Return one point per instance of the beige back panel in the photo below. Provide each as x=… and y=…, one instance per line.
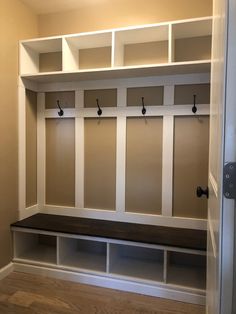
x=106, y=97
x=144, y=165
x=49, y=62
x=153, y=96
x=67, y=99
x=95, y=58
x=31, y=148
x=146, y=53
x=100, y=163
x=189, y=49
x=191, y=143
x=184, y=94
x=60, y=162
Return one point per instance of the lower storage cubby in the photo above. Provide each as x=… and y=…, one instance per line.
x=137, y=262
x=83, y=254
x=36, y=247
x=187, y=270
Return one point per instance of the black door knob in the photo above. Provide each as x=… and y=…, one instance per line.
x=201, y=192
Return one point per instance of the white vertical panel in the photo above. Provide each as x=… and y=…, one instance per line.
x=79, y=162
x=41, y=150
x=169, y=95
x=167, y=165
x=121, y=97
x=22, y=146
x=167, y=153
x=120, y=164
x=171, y=47
x=79, y=151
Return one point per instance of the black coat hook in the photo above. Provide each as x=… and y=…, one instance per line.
x=143, y=109
x=61, y=112
x=99, y=112
x=194, y=108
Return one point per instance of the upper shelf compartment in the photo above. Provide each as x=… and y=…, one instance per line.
x=141, y=46
x=179, y=47
x=87, y=51
x=191, y=41
x=41, y=55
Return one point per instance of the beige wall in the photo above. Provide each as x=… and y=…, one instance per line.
x=16, y=22
x=121, y=13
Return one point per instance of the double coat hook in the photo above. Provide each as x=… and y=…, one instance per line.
x=60, y=112
x=194, y=108
x=143, y=109
x=99, y=112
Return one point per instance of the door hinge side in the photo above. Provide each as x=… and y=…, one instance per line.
x=229, y=180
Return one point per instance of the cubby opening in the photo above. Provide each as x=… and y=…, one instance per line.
x=105, y=97
x=152, y=96
x=184, y=94
x=66, y=99
x=137, y=262
x=144, y=165
x=36, y=247
x=83, y=254
x=41, y=56
x=192, y=41
x=148, y=45
x=88, y=51
x=187, y=270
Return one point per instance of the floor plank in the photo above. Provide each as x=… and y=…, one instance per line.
x=31, y=294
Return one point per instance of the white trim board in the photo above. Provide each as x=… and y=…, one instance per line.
x=6, y=270
x=186, y=295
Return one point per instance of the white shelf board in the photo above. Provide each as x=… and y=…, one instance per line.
x=174, y=68
x=130, y=267
x=40, y=253
x=85, y=260
x=44, y=45
x=188, y=276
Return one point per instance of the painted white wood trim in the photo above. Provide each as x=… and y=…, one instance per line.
x=79, y=162
x=167, y=165
x=181, y=79
x=205, y=18
x=21, y=147
x=182, y=294
x=169, y=95
x=121, y=97
x=134, y=111
x=108, y=241
x=170, y=45
x=120, y=164
x=41, y=150
x=213, y=183
x=29, y=211
x=178, y=222
x=6, y=270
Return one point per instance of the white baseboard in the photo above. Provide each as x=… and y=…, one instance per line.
x=6, y=270
x=113, y=283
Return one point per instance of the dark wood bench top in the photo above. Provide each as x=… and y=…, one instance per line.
x=179, y=237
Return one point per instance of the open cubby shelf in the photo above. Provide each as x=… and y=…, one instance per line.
x=135, y=261
x=157, y=49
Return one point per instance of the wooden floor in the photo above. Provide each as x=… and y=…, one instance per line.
x=29, y=294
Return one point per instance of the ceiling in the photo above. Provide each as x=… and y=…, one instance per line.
x=51, y=6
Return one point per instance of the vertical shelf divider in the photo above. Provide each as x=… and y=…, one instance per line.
x=171, y=46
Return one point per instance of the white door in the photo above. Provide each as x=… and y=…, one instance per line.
x=221, y=224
